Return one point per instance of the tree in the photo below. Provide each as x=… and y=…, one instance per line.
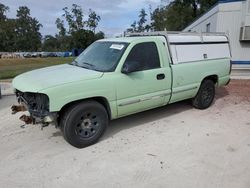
x=147, y=27
x=50, y=43
x=159, y=19
x=3, y=10
x=139, y=26
x=7, y=35
x=82, y=39
x=142, y=20
x=133, y=28
x=28, y=37
x=77, y=36
x=205, y=5
x=7, y=30
x=178, y=15
x=99, y=35
x=60, y=27
x=3, y=27
x=93, y=20
x=174, y=16
x=74, y=18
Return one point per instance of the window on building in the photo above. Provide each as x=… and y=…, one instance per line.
x=208, y=27
x=146, y=54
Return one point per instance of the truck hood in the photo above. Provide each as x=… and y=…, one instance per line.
x=44, y=78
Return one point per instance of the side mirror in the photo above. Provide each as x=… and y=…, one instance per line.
x=130, y=66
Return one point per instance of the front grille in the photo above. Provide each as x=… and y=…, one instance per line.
x=36, y=103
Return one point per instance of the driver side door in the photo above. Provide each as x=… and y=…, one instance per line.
x=146, y=88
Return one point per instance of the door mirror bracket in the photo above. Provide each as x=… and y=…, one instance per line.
x=130, y=66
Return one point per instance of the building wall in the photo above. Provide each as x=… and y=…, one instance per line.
x=246, y=12
x=228, y=18
x=200, y=25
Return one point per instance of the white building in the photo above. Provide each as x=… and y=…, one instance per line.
x=233, y=18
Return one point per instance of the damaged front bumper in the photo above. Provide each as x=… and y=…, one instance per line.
x=37, y=104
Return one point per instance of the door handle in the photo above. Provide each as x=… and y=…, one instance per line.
x=160, y=76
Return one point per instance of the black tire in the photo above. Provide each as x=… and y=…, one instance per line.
x=205, y=95
x=83, y=124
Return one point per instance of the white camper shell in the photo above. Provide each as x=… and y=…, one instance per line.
x=189, y=47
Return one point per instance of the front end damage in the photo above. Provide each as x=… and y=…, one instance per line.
x=37, y=104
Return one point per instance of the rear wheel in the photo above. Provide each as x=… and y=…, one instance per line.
x=205, y=95
x=83, y=124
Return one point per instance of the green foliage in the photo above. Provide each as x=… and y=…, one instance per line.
x=142, y=20
x=7, y=35
x=173, y=17
x=179, y=13
x=23, y=32
x=82, y=38
x=20, y=34
x=99, y=35
x=139, y=26
x=133, y=28
x=50, y=43
x=74, y=18
x=3, y=10
x=93, y=20
x=178, y=16
x=159, y=19
x=27, y=31
x=206, y=5
x=80, y=33
x=7, y=30
x=60, y=27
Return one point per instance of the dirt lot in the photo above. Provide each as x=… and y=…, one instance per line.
x=175, y=146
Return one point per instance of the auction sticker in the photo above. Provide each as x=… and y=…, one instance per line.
x=117, y=46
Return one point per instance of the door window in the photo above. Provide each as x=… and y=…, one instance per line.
x=146, y=54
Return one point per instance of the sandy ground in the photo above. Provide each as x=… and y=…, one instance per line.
x=175, y=146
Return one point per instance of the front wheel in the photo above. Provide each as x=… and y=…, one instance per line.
x=205, y=95
x=83, y=124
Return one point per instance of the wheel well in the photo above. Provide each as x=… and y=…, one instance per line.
x=103, y=101
x=214, y=78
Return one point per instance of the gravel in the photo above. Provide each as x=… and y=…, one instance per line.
x=174, y=146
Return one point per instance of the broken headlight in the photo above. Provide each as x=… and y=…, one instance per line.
x=36, y=103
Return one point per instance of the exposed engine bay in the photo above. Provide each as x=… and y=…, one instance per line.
x=37, y=104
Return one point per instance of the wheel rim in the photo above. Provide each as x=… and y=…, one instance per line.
x=207, y=95
x=88, y=125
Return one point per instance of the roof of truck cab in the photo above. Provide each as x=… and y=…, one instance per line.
x=130, y=39
x=175, y=38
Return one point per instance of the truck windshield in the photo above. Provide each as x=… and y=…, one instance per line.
x=101, y=56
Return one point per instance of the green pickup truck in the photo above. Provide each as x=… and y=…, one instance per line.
x=117, y=77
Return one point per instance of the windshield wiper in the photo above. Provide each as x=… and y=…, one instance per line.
x=83, y=65
x=88, y=64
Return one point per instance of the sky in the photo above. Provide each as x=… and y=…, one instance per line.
x=116, y=15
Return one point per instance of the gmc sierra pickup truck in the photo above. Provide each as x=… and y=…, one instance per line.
x=117, y=77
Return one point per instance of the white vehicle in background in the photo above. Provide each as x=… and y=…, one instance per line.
x=35, y=54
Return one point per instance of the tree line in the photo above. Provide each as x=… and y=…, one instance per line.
x=74, y=31
x=23, y=32
x=175, y=16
